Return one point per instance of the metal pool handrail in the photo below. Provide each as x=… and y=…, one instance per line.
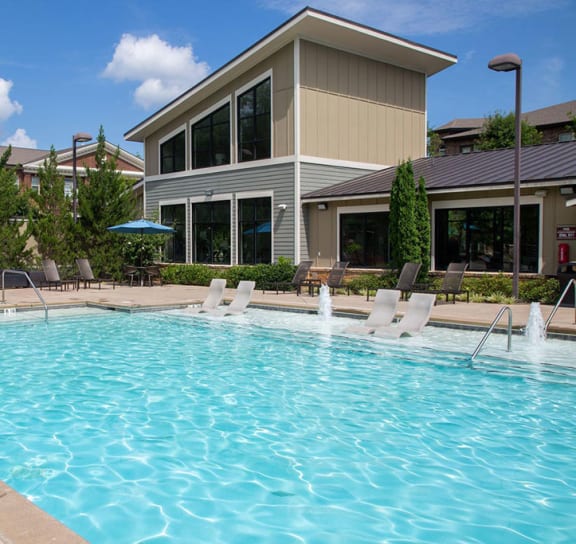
x=571, y=283
x=23, y=273
x=489, y=331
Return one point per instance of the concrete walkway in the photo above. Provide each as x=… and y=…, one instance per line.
x=182, y=295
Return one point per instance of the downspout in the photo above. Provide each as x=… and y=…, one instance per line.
x=297, y=191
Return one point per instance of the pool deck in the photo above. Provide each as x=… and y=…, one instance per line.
x=128, y=298
x=23, y=523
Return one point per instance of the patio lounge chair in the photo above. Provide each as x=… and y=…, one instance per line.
x=86, y=275
x=407, y=278
x=415, y=319
x=451, y=284
x=336, y=276
x=52, y=276
x=213, y=299
x=382, y=314
x=240, y=302
x=299, y=279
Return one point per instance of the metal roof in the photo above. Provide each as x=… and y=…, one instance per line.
x=540, y=163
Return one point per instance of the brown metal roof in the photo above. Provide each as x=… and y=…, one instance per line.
x=22, y=155
x=540, y=163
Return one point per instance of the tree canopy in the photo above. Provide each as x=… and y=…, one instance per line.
x=499, y=132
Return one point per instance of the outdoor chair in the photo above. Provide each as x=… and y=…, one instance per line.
x=414, y=320
x=299, y=279
x=451, y=283
x=52, y=276
x=241, y=300
x=382, y=313
x=86, y=275
x=151, y=274
x=213, y=299
x=336, y=275
x=407, y=278
x=130, y=274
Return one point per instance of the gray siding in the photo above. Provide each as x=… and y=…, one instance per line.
x=275, y=179
x=318, y=176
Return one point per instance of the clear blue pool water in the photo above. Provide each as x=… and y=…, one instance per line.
x=160, y=428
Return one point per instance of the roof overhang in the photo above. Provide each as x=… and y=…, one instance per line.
x=312, y=25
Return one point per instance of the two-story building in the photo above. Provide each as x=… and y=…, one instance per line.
x=317, y=101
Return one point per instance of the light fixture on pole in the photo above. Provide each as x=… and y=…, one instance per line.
x=508, y=63
x=78, y=137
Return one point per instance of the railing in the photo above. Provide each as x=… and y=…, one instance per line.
x=23, y=273
x=571, y=283
x=489, y=331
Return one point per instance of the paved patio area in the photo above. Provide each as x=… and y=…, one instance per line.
x=182, y=295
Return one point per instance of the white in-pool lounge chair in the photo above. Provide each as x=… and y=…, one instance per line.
x=382, y=313
x=240, y=302
x=213, y=299
x=415, y=319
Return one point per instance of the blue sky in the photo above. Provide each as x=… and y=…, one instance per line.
x=68, y=67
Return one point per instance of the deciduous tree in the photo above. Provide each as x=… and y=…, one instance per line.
x=499, y=132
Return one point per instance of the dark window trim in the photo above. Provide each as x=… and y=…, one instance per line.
x=210, y=116
x=251, y=146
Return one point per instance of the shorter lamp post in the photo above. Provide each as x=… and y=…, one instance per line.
x=508, y=63
x=79, y=137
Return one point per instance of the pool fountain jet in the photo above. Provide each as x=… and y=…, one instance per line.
x=325, y=303
x=535, y=329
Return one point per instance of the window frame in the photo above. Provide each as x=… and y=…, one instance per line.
x=166, y=138
x=237, y=94
x=179, y=202
x=252, y=195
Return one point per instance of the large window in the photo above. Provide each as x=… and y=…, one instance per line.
x=364, y=239
x=211, y=231
x=254, y=130
x=211, y=139
x=173, y=154
x=254, y=226
x=174, y=215
x=484, y=238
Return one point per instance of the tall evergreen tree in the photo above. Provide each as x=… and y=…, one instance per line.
x=14, y=233
x=104, y=199
x=422, y=218
x=404, y=242
x=51, y=220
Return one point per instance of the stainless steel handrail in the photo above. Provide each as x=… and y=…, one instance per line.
x=24, y=273
x=489, y=331
x=571, y=283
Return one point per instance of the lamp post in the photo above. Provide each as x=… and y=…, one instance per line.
x=78, y=137
x=508, y=63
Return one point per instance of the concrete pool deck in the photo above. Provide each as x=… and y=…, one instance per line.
x=23, y=523
x=461, y=313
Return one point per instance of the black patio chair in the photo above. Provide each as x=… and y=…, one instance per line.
x=451, y=283
x=407, y=279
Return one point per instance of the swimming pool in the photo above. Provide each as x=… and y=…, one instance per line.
x=161, y=428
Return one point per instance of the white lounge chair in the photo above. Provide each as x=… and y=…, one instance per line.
x=240, y=302
x=213, y=299
x=415, y=319
x=382, y=313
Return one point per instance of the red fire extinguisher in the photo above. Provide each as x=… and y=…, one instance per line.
x=563, y=253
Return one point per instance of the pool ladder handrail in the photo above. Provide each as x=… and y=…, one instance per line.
x=571, y=283
x=24, y=273
x=491, y=328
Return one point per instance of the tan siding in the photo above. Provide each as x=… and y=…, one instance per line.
x=345, y=101
x=282, y=66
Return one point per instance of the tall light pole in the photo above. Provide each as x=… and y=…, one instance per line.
x=508, y=63
x=78, y=137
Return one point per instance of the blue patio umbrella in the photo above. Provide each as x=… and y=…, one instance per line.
x=141, y=226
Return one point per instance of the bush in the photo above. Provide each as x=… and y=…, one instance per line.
x=544, y=290
x=188, y=274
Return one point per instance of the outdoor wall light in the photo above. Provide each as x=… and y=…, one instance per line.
x=567, y=190
x=282, y=206
x=78, y=137
x=208, y=192
x=322, y=206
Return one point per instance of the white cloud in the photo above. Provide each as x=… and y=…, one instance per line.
x=164, y=71
x=421, y=17
x=21, y=139
x=8, y=107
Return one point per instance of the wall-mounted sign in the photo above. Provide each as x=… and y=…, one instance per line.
x=566, y=232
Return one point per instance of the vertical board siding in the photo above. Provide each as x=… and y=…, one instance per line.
x=359, y=109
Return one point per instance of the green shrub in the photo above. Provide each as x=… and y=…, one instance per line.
x=188, y=274
x=544, y=290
